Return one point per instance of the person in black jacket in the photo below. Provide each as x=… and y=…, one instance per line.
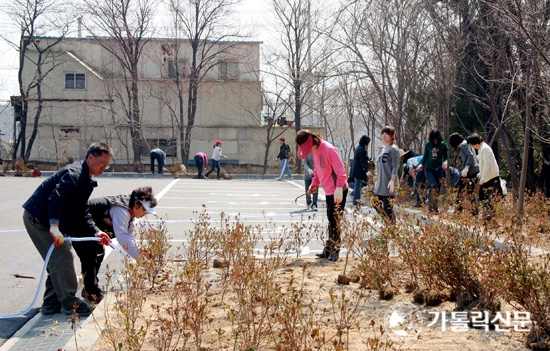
x=58, y=208
x=360, y=168
x=284, y=155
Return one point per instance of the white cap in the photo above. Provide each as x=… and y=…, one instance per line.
x=147, y=207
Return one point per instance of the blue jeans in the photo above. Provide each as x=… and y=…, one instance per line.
x=308, y=198
x=215, y=165
x=160, y=160
x=284, y=169
x=433, y=176
x=357, y=191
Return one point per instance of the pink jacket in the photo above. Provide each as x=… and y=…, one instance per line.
x=325, y=160
x=204, y=158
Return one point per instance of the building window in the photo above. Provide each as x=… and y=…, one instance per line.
x=229, y=71
x=182, y=68
x=75, y=81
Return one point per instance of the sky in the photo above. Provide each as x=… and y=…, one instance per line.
x=252, y=15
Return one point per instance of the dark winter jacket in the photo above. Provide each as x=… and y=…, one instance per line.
x=360, y=165
x=284, y=152
x=63, y=199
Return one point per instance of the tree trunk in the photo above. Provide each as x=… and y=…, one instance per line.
x=135, y=131
x=35, y=124
x=191, y=111
x=266, y=155
x=297, y=120
x=525, y=159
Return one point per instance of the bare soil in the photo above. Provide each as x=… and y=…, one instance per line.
x=324, y=273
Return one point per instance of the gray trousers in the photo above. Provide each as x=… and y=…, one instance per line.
x=61, y=283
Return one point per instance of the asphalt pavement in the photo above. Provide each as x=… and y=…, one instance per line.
x=256, y=201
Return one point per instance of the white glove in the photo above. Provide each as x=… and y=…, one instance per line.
x=338, y=195
x=465, y=172
x=58, y=238
x=369, y=174
x=391, y=186
x=445, y=164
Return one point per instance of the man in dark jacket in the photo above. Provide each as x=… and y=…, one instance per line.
x=360, y=168
x=58, y=207
x=284, y=155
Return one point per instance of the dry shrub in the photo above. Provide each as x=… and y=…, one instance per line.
x=125, y=327
x=154, y=250
x=176, y=170
x=369, y=241
x=21, y=168
x=525, y=285
x=452, y=256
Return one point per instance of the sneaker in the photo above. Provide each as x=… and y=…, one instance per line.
x=204, y=177
x=50, y=308
x=321, y=255
x=82, y=309
x=92, y=298
x=278, y=179
x=290, y=178
x=314, y=207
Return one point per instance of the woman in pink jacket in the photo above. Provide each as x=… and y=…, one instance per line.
x=331, y=175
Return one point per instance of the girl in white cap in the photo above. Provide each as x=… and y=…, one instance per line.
x=331, y=175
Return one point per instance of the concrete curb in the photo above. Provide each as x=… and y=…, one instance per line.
x=89, y=333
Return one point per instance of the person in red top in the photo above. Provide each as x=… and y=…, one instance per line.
x=330, y=173
x=201, y=160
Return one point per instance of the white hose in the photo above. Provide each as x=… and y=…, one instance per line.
x=43, y=275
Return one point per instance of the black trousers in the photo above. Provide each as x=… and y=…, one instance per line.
x=200, y=163
x=384, y=206
x=487, y=193
x=468, y=183
x=334, y=213
x=91, y=254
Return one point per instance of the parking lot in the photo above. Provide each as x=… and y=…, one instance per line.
x=256, y=201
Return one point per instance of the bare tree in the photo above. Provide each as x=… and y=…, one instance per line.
x=127, y=23
x=37, y=59
x=302, y=32
x=199, y=25
x=389, y=44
